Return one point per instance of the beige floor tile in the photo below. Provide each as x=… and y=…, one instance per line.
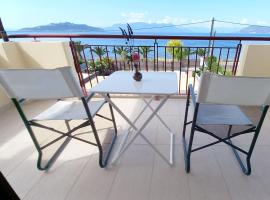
x=261, y=165
x=169, y=182
x=206, y=180
x=242, y=186
x=134, y=175
x=23, y=182
x=94, y=182
x=150, y=131
x=140, y=173
x=163, y=135
x=57, y=182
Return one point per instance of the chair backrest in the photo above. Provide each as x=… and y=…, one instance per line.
x=40, y=83
x=35, y=54
x=236, y=90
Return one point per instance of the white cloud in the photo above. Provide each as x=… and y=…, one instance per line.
x=262, y=23
x=243, y=21
x=134, y=17
x=184, y=22
x=171, y=20
x=131, y=17
x=144, y=17
x=231, y=25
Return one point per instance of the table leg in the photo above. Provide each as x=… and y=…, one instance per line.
x=166, y=126
x=160, y=119
x=126, y=135
x=142, y=111
x=139, y=130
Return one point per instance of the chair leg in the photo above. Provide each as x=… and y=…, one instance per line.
x=188, y=149
x=103, y=163
x=246, y=168
x=55, y=155
x=113, y=118
x=186, y=116
x=103, y=159
x=107, y=156
x=49, y=163
x=184, y=132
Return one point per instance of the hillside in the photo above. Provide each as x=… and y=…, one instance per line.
x=66, y=26
x=157, y=28
x=255, y=30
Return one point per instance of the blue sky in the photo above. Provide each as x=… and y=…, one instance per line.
x=19, y=13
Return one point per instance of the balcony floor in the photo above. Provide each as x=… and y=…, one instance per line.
x=140, y=173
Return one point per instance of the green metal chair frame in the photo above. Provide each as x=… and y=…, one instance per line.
x=187, y=145
x=89, y=121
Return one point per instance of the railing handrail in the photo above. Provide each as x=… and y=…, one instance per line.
x=155, y=37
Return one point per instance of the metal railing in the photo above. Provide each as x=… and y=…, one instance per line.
x=94, y=60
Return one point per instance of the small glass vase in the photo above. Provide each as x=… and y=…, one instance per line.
x=137, y=75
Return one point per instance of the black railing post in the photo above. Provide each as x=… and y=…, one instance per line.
x=155, y=55
x=3, y=33
x=236, y=58
x=77, y=65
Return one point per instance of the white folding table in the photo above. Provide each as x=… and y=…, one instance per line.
x=163, y=84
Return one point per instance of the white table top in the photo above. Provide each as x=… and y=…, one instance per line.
x=153, y=83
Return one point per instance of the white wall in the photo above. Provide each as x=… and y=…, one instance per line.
x=33, y=55
x=254, y=60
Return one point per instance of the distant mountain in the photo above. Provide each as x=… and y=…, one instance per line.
x=66, y=26
x=255, y=30
x=156, y=28
x=141, y=28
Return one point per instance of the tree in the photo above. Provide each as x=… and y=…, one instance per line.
x=100, y=51
x=79, y=48
x=103, y=64
x=201, y=52
x=144, y=51
x=122, y=52
x=214, y=67
x=124, y=55
x=176, y=49
x=211, y=60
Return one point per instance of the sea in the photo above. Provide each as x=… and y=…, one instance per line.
x=150, y=42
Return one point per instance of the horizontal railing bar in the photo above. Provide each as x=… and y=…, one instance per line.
x=184, y=37
x=194, y=47
x=112, y=45
x=123, y=45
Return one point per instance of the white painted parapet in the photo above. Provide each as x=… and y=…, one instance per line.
x=47, y=54
x=254, y=60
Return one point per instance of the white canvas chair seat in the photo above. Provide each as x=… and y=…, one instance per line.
x=221, y=114
x=68, y=110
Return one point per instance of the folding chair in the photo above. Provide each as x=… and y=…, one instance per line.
x=218, y=104
x=41, y=84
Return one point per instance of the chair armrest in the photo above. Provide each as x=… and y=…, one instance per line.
x=192, y=93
